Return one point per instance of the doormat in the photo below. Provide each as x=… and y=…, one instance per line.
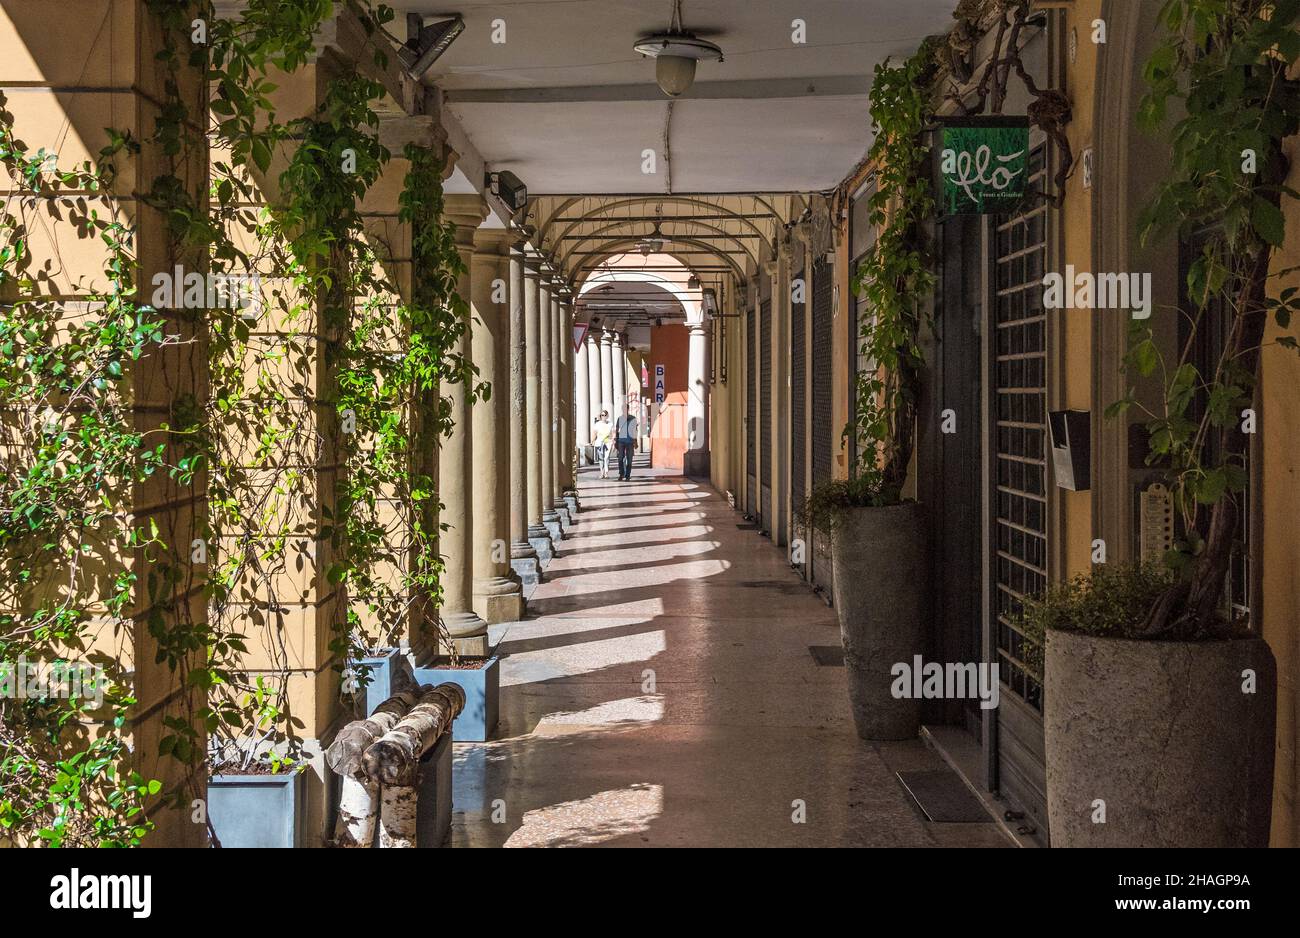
x=944, y=797
x=747, y=527
x=828, y=656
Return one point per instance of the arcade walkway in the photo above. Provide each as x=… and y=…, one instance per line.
x=663, y=694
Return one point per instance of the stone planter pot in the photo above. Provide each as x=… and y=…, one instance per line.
x=881, y=584
x=1162, y=734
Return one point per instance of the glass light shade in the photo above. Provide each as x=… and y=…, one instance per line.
x=675, y=73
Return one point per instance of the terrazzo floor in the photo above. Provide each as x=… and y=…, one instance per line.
x=661, y=693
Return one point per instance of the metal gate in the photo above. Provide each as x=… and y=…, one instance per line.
x=798, y=397
x=765, y=412
x=823, y=403
x=751, y=416
x=1018, y=535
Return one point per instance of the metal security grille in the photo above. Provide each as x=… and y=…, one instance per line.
x=798, y=396
x=822, y=396
x=1020, y=413
x=751, y=407
x=823, y=403
x=765, y=406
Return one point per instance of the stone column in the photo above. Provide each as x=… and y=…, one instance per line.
x=523, y=556
x=607, y=373
x=465, y=630
x=697, y=402
x=559, y=401
x=568, y=379
x=497, y=597
x=593, y=378
x=538, y=536
x=582, y=400
x=618, y=356
x=546, y=376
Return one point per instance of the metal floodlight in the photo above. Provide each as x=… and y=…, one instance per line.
x=426, y=42
x=509, y=188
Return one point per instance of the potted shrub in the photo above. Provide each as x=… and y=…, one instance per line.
x=1150, y=742
x=1159, y=695
x=879, y=546
x=257, y=794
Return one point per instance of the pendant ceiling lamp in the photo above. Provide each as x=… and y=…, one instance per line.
x=676, y=54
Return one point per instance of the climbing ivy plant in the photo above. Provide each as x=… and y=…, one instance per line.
x=1223, y=69
x=895, y=279
x=335, y=330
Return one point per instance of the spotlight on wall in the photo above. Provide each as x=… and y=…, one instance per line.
x=693, y=282
x=509, y=188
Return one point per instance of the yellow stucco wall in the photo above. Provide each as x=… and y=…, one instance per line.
x=1279, y=447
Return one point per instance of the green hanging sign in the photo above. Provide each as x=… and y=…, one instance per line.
x=984, y=163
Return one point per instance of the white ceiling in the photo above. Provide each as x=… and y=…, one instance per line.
x=569, y=107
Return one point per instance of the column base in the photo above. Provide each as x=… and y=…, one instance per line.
x=695, y=464
x=553, y=526
x=539, y=538
x=572, y=502
x=566, y=520
x=525, y=564
x=498, y=599
x=466, y=635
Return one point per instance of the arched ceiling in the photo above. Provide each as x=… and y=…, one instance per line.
x=714, y=236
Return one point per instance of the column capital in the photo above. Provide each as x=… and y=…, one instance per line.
x=697, y=328
x=606, y=337
x=532, y=262
x=466, y=212
x=491, y=244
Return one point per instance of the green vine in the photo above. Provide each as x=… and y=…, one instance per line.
x=1224, y=64
x=895, y=278
x=335, y=331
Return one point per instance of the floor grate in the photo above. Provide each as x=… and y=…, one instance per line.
x=944, y=797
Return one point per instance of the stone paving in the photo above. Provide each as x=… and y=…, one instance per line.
x=662, y=694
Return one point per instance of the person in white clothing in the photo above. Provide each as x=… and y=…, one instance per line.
x=602, y=433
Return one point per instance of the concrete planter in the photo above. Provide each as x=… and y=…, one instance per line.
x=258, y=810
x=1162, y=734
x=482, y=687
x=881, y=584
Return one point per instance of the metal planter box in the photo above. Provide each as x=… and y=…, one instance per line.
x=380, y=687
x=258, y=810
x=482, y=688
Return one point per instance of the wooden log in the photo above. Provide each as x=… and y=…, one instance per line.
x=359, y=801
x=394, y=758
x=397, y=821
x=344, y=754
x=358, y=805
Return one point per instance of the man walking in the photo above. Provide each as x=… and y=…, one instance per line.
x=625, y=438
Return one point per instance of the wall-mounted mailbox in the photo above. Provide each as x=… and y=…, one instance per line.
x=1072, y=448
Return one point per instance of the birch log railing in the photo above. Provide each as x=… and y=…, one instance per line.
x=379, y=758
